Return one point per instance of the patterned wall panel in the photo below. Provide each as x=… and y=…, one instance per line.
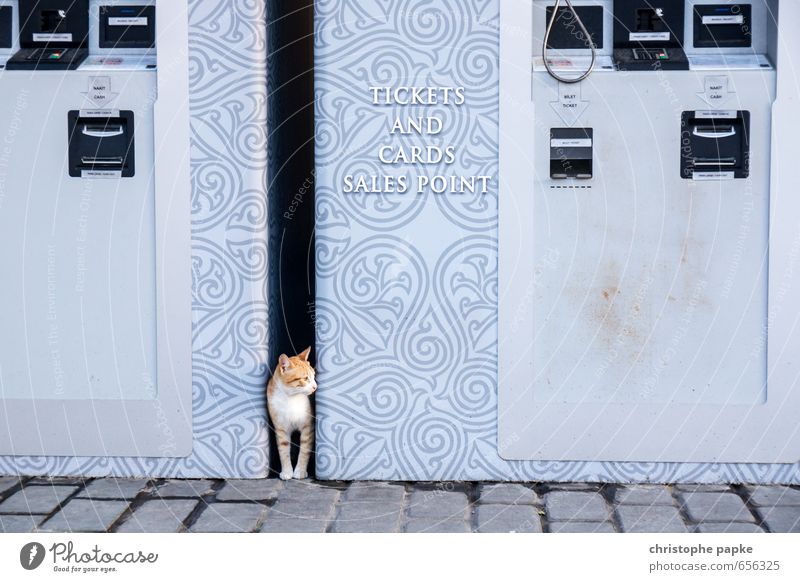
x=407, y=284
x=230, y=259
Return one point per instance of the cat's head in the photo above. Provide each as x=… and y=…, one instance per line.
x=296, y=374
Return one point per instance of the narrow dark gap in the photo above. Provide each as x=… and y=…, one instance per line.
x=682, y=510
x=473, y=497
x=21, y=482
x=542, y=490
x=744, y=494
x=408, y=488
x=147, y=493
x=609, y=493
x=290, y=187
x=202, y=505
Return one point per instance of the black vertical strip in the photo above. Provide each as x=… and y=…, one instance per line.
x=290, y=34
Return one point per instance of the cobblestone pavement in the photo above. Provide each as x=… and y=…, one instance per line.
x=159, y=505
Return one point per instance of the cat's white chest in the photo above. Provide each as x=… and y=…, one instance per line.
x=297, y=409
x=293, y=410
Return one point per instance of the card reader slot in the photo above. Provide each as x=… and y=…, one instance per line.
x=714, y=131
x=102, y=131
x=101, y=146
x=102, y=161
x=715, y=143
x=571, y=153
x=714, y=162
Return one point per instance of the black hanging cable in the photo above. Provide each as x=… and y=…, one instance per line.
x=550, y=25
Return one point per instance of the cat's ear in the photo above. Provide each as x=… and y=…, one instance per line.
x=304, y=355
x=284, y=362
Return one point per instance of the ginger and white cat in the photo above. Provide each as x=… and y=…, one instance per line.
x=289, y=406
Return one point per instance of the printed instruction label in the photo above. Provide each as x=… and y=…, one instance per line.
x=99, y=112
x=101, y=174
x=129, y=21
x=721, y=114
x=645, y=36
x=707, y=176
x=51, y=37
x=571, y=143
x=727, y=19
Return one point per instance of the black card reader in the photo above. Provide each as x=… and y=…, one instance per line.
x=102, y=146
x=53, y=35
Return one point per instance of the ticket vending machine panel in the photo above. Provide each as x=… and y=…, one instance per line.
x=83, y=353
x=645, y=304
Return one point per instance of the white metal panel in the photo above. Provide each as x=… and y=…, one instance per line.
x=646, y=294
x=120, y=383
x=79, y=303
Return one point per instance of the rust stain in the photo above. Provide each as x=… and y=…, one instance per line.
x=610, y=293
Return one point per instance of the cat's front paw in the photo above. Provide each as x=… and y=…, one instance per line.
x=298, y=474
x=286, y=475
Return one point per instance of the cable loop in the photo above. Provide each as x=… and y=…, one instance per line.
x=547, y=40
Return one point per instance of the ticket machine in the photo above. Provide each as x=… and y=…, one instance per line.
x=95, y=352
x=636, y=245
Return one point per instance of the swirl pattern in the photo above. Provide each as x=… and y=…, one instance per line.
x=408, y=285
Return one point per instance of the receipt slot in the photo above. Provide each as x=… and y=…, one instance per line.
x=95, y=355
x=101, y=146
x=715, y=144
x=644, y=268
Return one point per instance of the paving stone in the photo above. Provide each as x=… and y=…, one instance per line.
x=250, y=490
x=507, y=494
x=184, y=488
x=369, y=509
x=19, y=523
x=581, y=527
x=368, y=517
x=766, y=495
x=85, y=515
x=304, y=508
x=644, y=495
x=437, y=503
x=375, y=492
x=714, y=506
x=650, y=519
x=159, y=516
x=309, y=506
x=308, y=488
x=308, y=501
x=508, y=518
x=112, y=488
x=569, y=505
x=299, y=525
x=306, y=492
x=446, y=525
x=36, y=499
x=229, y=518
x=782, y=519
x=735, y=527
